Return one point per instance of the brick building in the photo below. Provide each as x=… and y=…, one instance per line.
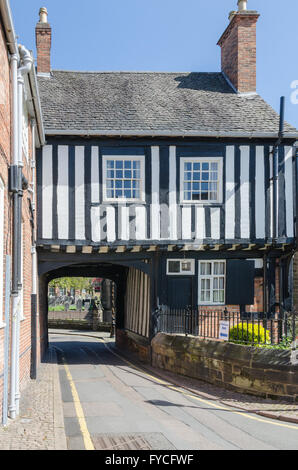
x=21, y=132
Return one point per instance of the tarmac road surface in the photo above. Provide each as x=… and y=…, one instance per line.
x=109, y=404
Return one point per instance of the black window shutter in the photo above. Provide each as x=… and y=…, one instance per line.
x=240, y=282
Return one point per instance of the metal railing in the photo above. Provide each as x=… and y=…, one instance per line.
x=261, y=329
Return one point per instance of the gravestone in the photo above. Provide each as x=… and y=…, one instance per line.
x=79, y=304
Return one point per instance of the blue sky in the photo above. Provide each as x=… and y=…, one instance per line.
x=165, y=35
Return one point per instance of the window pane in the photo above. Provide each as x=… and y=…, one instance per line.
x=186, y=266
x=206, y=268
x=221, y=296
x=174, y=266
x=219, y=268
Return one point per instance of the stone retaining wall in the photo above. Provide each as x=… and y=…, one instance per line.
x=137, y=345
x=78, y=325
x=262, y=372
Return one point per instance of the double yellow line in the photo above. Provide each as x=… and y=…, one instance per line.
x=79, y=410
x=80, y=413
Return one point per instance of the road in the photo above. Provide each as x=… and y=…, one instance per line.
x=110, y=404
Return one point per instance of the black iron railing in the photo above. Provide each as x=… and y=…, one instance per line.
x=280, y=330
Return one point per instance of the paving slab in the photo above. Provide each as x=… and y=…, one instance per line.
x=40, y=424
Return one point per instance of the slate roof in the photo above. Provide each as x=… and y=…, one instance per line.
x=140, y=103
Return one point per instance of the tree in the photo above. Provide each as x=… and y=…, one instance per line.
x=76, y=283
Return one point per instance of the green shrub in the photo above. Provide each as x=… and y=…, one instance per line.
x=249, y=333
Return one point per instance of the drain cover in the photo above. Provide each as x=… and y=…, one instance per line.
x=121, y=442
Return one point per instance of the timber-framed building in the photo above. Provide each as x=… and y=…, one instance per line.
x=170, y=184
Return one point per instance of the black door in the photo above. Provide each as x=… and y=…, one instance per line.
x=180, y=292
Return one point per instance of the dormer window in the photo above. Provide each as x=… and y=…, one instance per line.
x=201, y=180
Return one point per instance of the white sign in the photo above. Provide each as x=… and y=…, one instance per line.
x=224, y=327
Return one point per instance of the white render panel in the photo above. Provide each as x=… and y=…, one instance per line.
x=230, y=193
x=140, y=223
x=289, y=191
x=215, y=223
x=80, y=192
x=111, y=226
x=244, y=192
x=186, y=223
x=95, y=224
x=62, y=193
x=95, y=175
x=200, y=223
x=173, y=194
x=260, y=193
x=155, y=209
x=124, y=223
x=47, y=192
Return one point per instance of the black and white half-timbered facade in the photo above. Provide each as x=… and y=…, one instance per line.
x=170, y=184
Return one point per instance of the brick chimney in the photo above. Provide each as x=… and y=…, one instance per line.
x=43, y=33
x=238, y=49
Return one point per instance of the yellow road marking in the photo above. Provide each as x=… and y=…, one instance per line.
x=195, y=397
x=79, y=410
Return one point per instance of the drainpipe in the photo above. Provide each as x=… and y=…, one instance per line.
x=14, y=190
x=27, y=62
x=34, y=265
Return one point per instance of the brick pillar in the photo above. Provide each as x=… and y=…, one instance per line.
x=43, y=34
x=238, y=50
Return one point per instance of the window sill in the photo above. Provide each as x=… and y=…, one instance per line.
x=123, y=201
x=201, y=203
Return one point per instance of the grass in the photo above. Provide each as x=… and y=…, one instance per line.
x=60, y=308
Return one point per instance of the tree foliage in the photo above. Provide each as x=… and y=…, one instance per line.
x=77, y=283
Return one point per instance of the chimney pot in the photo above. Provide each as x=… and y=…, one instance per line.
x=43, y=15
x=242, y=5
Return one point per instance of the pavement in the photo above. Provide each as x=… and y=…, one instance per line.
x=43, y=423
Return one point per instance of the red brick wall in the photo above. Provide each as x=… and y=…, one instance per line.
x=238, y=52
x=5, y=162
x=5, y=151
x=43, y=45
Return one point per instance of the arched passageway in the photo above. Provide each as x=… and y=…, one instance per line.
x=132, y=280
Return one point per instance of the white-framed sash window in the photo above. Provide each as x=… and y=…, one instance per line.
x=123, y=179
x=212, y=282
x=201, y=180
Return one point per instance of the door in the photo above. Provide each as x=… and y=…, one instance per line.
x=180, y=292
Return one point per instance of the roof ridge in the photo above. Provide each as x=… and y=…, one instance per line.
x=133, y=72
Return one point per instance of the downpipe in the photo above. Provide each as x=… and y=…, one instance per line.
x=34, y=313
x=27, y=62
